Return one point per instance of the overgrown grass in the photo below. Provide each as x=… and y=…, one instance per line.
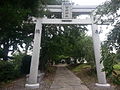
x=89, y=76
x=80, y=67
x=117, y=66
x=85, y=73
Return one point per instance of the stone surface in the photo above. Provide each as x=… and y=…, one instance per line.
x=97, y=51
x=36, y=52
x=66, y=80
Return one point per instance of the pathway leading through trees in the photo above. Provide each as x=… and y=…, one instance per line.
x=66, y=80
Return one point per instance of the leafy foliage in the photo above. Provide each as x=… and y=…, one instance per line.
x=114, y=37
x=10, y=70
x=110, y=10
x=16, y=26
x=63, y=42
x=109, y=60
x=7, y=71
x=109, y=7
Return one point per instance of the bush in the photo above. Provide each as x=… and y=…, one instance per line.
x=25, y=66
x=116, y=79
x=111, y=66
x=6, y=71
x=17, y=64
x=10, y=70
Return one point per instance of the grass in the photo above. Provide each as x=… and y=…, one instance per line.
x=80, y=67
x=87, y=75
x=117, y=66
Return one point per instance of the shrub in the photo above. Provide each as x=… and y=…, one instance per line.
x=10, y=69
x=110, y=65
x=116, y=79
x=6, y=71
x=25, y=66
x=17, y=64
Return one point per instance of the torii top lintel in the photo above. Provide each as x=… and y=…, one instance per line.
x=67, y=9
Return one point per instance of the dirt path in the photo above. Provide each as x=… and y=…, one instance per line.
x=66, y=80
x=19, y=84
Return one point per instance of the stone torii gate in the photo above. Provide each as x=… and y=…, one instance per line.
x=66, y=10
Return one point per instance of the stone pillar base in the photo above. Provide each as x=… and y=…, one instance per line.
x=102, y=85
x=39, y=77
x=32, y=86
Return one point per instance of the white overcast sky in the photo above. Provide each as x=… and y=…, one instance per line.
x=103, y=35
x=88, y=2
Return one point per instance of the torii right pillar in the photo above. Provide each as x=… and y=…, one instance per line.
x=97, y=51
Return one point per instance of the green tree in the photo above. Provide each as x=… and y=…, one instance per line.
x=65, y=41
x=16, y=25
x=110, y=9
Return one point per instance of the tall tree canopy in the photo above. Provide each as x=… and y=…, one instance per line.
x=15, y=23
x=110, y=11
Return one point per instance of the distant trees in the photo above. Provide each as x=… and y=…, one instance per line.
x=65, y=41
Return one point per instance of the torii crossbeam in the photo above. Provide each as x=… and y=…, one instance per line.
x=66, y=10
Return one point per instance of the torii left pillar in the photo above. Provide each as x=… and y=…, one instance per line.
x=32, y=80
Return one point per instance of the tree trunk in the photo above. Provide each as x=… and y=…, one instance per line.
x=75, y=60
x=26, y=48
x=5, y=51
